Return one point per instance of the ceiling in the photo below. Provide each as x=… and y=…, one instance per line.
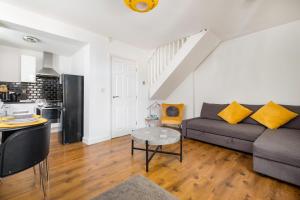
x=54, y=44
x=172, y=19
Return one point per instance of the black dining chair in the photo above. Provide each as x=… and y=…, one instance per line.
x=25, y=149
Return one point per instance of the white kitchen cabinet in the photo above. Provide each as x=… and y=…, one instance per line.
x=14, y=108
x=9, y=64
x=28, y=68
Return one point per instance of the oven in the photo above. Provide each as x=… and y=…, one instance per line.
x=53, y=114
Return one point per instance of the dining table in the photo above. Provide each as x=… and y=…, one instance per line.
x=11, y=124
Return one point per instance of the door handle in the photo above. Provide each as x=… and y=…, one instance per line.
x=115, y=97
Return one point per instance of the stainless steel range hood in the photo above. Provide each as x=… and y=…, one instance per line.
x=47, y=69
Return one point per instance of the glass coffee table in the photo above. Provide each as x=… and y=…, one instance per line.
x=155, y=136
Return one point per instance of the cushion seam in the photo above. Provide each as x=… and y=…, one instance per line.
x=223, y=135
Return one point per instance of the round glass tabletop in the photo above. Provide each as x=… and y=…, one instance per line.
x=156, y=135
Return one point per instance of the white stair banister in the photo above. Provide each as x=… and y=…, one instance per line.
x=178, y=59
x=175, y=59
x=162, y=57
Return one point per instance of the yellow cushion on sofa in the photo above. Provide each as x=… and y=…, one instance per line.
x=273, y=115
x=234, y=113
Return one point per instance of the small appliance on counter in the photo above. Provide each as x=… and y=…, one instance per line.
x=8, y=96
x=13, y=97
x=41, y=102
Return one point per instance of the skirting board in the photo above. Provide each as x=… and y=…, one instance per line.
x=56, y=130
x=56, y=127
x=90, y=141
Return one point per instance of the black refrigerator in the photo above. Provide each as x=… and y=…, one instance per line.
x=72, y=112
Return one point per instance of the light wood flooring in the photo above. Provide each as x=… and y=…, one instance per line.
x=209, y=172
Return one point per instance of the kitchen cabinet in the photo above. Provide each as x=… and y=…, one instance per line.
x=9, y=65
x=28, y=68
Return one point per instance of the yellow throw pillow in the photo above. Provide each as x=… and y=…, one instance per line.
x=234, y=113
x=273, y=115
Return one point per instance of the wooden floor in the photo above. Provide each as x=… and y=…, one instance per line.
x=81, y=172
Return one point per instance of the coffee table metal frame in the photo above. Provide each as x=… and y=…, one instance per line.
x=158, y=149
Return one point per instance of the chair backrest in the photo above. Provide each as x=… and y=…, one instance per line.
x=172, y=113
x=24, y=149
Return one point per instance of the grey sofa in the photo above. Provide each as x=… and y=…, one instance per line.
x=276, y=153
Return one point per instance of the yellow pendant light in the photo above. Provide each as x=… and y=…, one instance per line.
x=141, y=5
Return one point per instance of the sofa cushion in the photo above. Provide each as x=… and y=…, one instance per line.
x=247, y=132
x=273, y=115
x=295, y=123
x=211, y=110
x=281, y=145
x=234, y=113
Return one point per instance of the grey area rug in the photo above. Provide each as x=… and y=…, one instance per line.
x=136, y=188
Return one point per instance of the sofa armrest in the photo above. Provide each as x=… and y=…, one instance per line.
x=184, y=125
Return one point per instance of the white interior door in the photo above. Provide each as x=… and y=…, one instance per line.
x=124, y=96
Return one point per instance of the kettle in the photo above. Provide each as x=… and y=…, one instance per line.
x=13, y=97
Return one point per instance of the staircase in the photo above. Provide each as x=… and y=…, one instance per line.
x=170, y=64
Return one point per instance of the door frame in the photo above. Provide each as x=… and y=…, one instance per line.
x=112, y=56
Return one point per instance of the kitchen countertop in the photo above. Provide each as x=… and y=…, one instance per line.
x=19, y=102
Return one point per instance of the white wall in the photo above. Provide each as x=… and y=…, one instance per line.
x=79, y=61
x=62, y=64
x=127, y=51
x=143, y=95
x=252, y=69
x=10, y=62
